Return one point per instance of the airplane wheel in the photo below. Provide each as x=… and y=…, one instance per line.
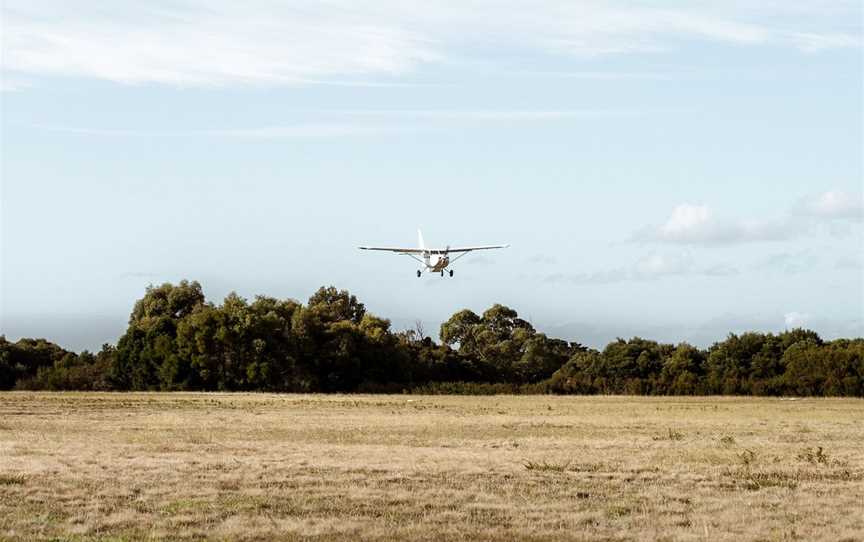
x=451, y=272
x=442, y=272
x=418, y=273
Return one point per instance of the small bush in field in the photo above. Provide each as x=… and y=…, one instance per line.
x=544, y=466
x=670, y=434
x=747, y=457
x=814, y=455
x=727, y=440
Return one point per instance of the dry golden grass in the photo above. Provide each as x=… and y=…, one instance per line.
x=85, y=466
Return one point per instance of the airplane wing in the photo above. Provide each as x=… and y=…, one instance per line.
x=397, y=250
x=467, y=249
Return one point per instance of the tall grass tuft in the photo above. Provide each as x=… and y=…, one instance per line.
x=546, y=466
x=12, y=479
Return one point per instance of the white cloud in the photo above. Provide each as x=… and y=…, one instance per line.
x=696, y=225
x=221, y=42
x=686, y=219
x=834, y=204
x=795, y=320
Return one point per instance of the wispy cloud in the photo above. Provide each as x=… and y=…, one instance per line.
x=138, y=275
x=497, y=115
x=342, y=123
x=721, y=270
x=219, y=42
x=596, y=75
x=542, y=259
x=849, y=264
x=653, y=266
x=815, y=43
x=300, y=130
x=789, y=263
x=13, y=84
x=201, y=43
x=478, y=259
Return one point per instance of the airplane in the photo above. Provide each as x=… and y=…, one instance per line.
x=434, y=260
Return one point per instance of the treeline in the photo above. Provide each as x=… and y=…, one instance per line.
x=176, y=340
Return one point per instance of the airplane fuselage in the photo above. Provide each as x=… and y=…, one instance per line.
x=436, y=263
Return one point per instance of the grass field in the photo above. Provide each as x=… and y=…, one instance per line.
x=236, y=466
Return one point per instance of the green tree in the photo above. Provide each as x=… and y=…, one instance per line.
x=332, y=305
x=581, y=374
x=806, y=370
x=340, y=346
x=24, y=358
x=730, y=362
x=682, y=371
x=633, y=366
x=147, y=354
x=506, y=346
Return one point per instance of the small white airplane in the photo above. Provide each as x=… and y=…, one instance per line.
x=434, y=260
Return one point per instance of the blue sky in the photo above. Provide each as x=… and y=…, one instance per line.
x=676, y=170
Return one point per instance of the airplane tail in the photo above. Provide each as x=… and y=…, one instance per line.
x=420, y=243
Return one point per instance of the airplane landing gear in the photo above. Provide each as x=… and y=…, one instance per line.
x=442, y=272
x=451, y=272
x=418, y=273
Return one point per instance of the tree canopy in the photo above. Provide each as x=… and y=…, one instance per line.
x=177, y=340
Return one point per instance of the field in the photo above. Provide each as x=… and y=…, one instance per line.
x=250, y=466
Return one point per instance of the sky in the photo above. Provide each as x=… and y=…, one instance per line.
x=672, y=170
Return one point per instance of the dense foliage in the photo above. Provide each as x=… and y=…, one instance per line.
x=176, y=340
